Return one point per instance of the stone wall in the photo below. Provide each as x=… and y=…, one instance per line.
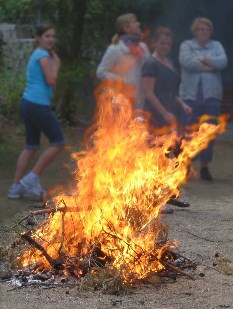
x=16, y=44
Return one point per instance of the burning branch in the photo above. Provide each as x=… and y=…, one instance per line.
x=55, y=263
x=121, y=182
x=63, y=233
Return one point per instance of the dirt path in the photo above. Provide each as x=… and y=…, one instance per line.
x=202, y=231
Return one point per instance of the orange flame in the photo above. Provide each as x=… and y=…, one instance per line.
x=121, y=181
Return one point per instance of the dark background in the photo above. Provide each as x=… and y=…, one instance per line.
x=220, y=12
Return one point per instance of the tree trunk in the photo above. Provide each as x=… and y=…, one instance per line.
x=79, y=10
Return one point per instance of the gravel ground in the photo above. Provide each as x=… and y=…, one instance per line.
x=203, y=231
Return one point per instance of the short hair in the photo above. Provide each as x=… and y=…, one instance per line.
x=162, y=31
x=201, y=20
x=122, y=21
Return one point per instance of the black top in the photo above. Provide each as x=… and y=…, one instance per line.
x=166, y=89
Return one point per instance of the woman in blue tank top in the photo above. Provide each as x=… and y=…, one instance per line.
x=42, y=72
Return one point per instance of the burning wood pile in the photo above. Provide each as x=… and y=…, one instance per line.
x=110, y=218
x=94, y=266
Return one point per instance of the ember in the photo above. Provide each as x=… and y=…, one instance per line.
x=111, y=217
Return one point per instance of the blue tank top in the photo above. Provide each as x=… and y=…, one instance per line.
x=37, y=89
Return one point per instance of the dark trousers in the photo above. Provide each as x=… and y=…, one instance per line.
x=200, y=107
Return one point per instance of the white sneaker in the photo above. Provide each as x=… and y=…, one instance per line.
x=31, y=187
x=15, y=192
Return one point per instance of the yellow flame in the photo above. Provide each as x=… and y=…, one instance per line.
x=121, y=181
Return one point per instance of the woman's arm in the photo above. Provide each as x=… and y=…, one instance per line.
x=148, y=84
x=188, y=59
x=105, y=68
x=186, y=108
x=219, y=60
x=193, y=62
x=50, y=69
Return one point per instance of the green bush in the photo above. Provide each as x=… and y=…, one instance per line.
x=74, y=91
x=73, y=94
x=11, y=90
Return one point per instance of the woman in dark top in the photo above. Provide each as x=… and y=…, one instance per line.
x=160, y=83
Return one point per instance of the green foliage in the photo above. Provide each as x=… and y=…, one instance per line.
x=84, y=29
x=12, y=11
x=10, y=93
x=100, y=19
x=74, y=91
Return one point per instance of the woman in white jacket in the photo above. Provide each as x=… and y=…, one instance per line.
x=124, y=58
x=202, y=60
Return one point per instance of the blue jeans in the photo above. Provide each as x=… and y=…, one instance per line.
x=201, y=107
x=37, y=119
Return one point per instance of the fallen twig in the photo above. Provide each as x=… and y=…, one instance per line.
x=176, y=269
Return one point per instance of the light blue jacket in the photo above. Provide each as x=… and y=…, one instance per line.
x=119, y=63
x=192, y=70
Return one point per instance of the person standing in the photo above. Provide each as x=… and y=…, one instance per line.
x=161, y=82
x=42, y=72
x=202, y=60
x=124, y=58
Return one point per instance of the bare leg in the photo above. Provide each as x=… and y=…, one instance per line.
x=46, y=157
x=23, y=162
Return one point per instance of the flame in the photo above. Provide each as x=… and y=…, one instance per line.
x=122, y=178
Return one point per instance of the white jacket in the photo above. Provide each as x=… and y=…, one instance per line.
x=192, y=72
x=119, y=63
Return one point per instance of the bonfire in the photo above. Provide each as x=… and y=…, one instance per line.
x=110, y=218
